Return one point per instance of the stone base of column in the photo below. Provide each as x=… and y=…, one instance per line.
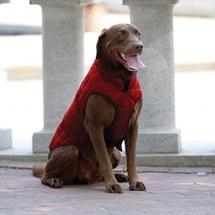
x=5, y=139
x=158, y=141
x=41, y=140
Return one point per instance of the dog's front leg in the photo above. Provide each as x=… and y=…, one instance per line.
x=100, y=114
x=130, y=144
x=97, y=138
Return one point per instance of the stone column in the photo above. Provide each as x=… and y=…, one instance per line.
x=5, y=134
x=62, y=34
x=157, y=132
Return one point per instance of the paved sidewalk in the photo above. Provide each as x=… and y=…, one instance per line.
x=167, y=193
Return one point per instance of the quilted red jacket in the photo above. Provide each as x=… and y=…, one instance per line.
x=71, y=129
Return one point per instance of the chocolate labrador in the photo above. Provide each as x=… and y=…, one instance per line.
x=86, y=145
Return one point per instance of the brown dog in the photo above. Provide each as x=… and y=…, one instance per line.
x=104, y=112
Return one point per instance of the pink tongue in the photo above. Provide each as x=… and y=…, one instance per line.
x=134, y=63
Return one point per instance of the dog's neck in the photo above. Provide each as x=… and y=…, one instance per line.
x=116, y=69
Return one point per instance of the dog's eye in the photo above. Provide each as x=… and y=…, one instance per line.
x=139, y=37
x=138, y=34
x=121, y=36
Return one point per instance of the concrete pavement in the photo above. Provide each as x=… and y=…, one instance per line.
x=178, y=191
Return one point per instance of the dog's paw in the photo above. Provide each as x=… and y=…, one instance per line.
x=52, y=182
x=114, y=188
x=137, y=186
x=55, y=183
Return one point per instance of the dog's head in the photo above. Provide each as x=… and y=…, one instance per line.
x=121, y=45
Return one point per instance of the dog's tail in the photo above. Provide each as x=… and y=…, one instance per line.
x=38, y=170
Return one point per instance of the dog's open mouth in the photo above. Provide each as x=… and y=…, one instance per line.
x=131, y=62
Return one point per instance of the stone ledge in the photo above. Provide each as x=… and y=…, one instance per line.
x=201, y=171
x=160, y=162
x=176, y=160
x=23, y=158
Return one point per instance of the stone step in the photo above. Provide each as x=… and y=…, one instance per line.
x=143, y=160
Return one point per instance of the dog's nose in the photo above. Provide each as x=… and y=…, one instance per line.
x=139, y=47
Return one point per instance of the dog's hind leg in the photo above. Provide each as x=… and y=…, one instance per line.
x=61, y=166
x=120, y=177
x=115, y=156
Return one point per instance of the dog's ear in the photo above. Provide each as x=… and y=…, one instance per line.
x=100, y=43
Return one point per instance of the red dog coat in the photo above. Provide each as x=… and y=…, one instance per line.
x=71, y=129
